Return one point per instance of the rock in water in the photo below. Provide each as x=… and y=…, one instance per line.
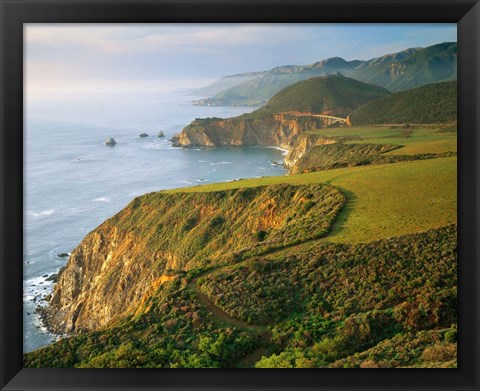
x=161, y=134
x=143, y=135
x=54, y=277
x=110, y=141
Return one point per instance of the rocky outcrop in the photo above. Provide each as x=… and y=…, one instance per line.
x=100, y=278
x=110, y=141
x=54, y=277
x=304, y=143
x=161, y=134
x=278, y=130
x=143, y=135
x=284, y=131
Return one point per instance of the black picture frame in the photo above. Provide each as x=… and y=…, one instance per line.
x=16, y=12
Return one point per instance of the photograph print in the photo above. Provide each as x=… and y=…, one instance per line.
x=240, y=196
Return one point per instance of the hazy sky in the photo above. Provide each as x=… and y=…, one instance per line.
x=92, y=58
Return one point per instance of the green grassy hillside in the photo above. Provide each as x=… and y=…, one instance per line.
x=205, y=227
x=335, y=95
x=433, y=103
x=360, y=146
x=411, y=140
x=380, y=202
x=326, y=157
x=380, y=198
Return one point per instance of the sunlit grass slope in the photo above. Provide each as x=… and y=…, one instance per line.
x=413, y=140
x=383, y=201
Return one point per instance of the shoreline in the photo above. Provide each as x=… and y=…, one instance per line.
x=284, y=151
x=47, y=318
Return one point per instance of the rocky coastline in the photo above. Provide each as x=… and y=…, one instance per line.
x=286, y=132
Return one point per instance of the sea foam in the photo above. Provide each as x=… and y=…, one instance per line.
x=102, y=199
x=43, y=213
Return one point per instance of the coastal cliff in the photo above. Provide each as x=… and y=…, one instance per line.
x=161, y=236
x=276, y=130
x=304, y=143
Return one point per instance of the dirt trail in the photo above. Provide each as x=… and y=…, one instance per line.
x=219, y=315
x=222, y=318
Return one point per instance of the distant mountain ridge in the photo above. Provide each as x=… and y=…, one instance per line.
x=403, y=70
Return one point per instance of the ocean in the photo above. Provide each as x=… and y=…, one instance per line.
x=73, y=181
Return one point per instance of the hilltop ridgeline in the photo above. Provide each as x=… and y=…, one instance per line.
x=335, y=95
x=432, y=103
x=407, y=69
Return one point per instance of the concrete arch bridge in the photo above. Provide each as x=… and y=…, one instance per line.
x=327, y=120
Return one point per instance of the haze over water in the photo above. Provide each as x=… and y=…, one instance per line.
x=73, y=182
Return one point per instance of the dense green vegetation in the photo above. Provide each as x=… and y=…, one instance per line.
x=170, y=330
x=324, y=304
x=423, y=349
x=336, y=281
x=433, y=103
x=334, y=95
x=343, y=300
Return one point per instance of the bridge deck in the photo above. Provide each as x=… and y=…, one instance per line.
x=330, y=119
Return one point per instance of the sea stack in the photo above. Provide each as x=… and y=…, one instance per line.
x=110, y=141
x=161, y=134
x=143, y=135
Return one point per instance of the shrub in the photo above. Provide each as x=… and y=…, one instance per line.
x=260, y=235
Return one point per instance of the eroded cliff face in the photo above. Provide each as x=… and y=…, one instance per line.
x=396, y=70
x=105, y=275
x=303, y=144
x=276, y=130
x=161, y=236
